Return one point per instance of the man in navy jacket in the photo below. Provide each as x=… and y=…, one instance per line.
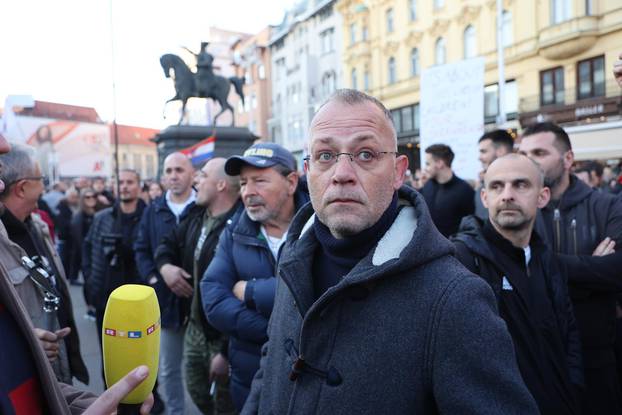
x=238, y=286
x=158, y=220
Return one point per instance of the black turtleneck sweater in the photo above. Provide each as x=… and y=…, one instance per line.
x=334, y=258
x=449, y=203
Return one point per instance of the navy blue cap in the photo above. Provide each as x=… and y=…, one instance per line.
x=261, y=155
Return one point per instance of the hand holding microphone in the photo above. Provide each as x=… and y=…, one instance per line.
x=108, y=401
x=131, y=341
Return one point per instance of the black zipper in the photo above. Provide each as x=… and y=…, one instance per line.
x=557, y=225
x=573, y=226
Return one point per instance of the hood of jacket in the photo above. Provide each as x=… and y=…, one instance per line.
x=411, y=241
x=470, y=233
x=577, y=191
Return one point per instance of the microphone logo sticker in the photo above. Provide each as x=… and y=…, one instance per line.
x=134, y=334
x=110, y=332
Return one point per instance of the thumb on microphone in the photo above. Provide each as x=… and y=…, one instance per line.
x=108, y=401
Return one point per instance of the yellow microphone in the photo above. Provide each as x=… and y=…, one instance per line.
x=131, y=337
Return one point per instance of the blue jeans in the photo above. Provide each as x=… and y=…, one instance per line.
x=169, y=375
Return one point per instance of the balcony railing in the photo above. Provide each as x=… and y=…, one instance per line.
x=570, y=97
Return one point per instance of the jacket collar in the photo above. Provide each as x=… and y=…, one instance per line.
x=574, y=194
x=411, y=241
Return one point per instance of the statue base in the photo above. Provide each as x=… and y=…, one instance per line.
x=229, y=140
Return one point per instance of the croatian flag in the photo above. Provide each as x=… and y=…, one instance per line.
x=201, y=151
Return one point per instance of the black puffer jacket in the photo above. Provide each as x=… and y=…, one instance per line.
x=102, y=277
x=574, y=226
x=177, y=248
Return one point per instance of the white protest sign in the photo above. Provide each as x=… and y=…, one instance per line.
x=452, y=112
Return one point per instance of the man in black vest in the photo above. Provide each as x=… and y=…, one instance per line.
x=531, y=291
x=182, y=258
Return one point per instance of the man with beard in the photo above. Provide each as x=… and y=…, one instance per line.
x=108, y=257
x=492, y=145
x=583, y=226
x=531, y=291
x=238, y=286
x=182, y=258
x=449, y=198
x=159, y=219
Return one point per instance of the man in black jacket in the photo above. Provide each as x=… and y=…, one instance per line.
x=182, y=258
x=448, y=197
x=108, y=260
x=583, y=226
x=531, y=291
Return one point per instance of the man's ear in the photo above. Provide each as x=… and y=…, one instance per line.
x=401, y=165
x=568, y=160
x=484, y=196
x=18, y=189
x=221, y=185
x=292, y=180
x=543, y=197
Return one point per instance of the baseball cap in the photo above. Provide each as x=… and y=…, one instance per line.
x=261, y=155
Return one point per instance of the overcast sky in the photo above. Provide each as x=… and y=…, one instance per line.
x=60, y=50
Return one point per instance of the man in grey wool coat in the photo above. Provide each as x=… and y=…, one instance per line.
x=373, y=314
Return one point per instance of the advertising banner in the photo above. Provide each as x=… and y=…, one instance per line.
x=66, y=148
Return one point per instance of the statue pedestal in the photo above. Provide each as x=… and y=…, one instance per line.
x=229, y=140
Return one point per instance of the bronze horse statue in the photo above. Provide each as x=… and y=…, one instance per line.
x=204, y=84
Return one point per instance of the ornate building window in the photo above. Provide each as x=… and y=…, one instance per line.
x=506, y=28
x=439, y=51
x=353, y=80
x=414, y=62
x=389, y=16
x=552, y=86
x=561, y=10
x=591, y=78
x=470, y=42
x=391, y=71
x=412, y=8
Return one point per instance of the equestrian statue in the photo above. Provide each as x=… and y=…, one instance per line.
x=202, y=84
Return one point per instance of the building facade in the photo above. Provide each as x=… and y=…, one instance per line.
x=306, y=69
x=558, y=58
x=136, y=150
x=251, y=59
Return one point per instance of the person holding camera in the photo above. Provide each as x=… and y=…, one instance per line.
x=108, y=258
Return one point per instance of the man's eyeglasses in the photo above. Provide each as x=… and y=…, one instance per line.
x=43, y=179
x=366, y=159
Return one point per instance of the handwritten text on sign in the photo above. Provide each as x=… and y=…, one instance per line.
x=452, y=112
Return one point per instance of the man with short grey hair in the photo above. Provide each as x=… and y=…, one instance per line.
x=26, y=235
x=237, y=288
x=373, y=314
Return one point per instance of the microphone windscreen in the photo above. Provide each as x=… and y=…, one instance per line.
x=131, y=337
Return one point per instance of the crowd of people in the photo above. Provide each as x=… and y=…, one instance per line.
x=389, y=292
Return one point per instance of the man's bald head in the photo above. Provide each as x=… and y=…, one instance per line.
x=178, y=174
x=216, y=166
x=214, y=186
x=513, y=192
x=177, y=158
x=516, y=163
